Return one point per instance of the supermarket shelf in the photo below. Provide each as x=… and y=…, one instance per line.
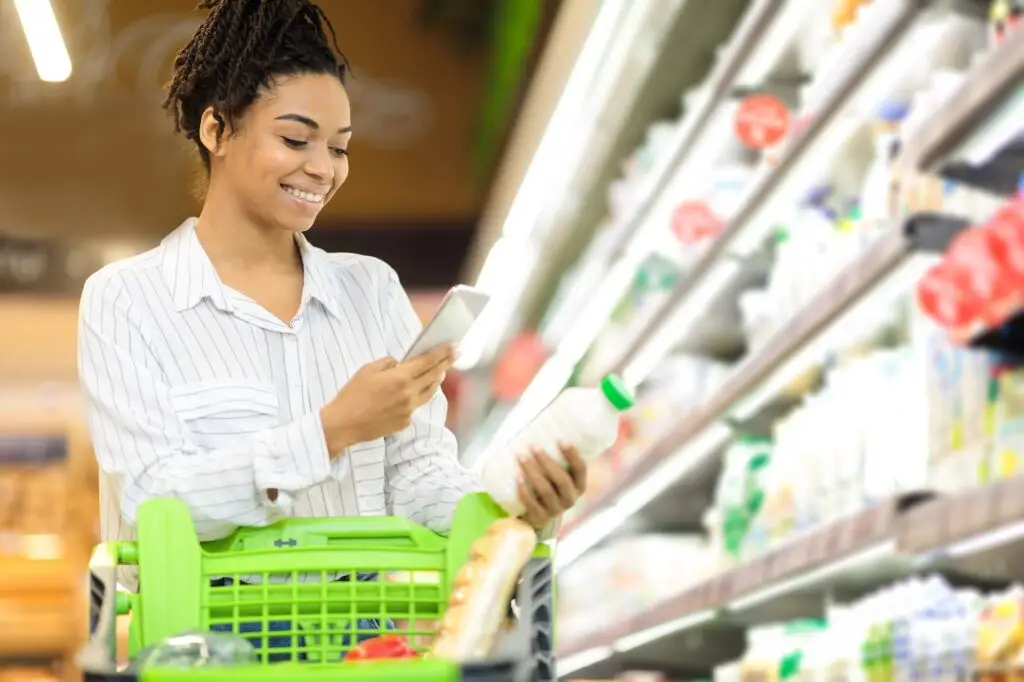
x=683, y=462
x=848, y=82
x=605, y=277
x=975, y=536
x=743, y=43
x=982, y=119
x=978, y=535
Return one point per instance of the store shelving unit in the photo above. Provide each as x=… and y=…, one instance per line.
x=976, y=535
x=975, y=139
x=683, y=463
x=715, y=275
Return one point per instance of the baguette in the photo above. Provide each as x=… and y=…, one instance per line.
x=481, y=591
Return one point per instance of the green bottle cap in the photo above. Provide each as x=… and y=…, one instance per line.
x=617, y=393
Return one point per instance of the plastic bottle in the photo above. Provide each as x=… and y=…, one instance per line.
x=587, y=418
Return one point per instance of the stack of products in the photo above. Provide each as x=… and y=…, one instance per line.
x=924, y=415
x=920, y=629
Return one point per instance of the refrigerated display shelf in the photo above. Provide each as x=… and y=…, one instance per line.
x=852, y=77
x=975, y=535
x=921, y=234
x=743, y=43
x=992, y=91
x=604, y=278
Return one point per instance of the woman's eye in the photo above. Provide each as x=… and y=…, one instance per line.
x=339, y=152
x=294, y=144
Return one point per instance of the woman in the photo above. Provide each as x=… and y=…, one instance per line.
x=240, y=369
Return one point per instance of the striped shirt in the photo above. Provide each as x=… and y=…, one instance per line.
x=196, y=392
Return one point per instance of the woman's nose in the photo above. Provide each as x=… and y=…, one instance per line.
x=320, y=164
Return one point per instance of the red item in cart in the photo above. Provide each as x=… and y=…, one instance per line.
x=385, y=646
x=945, y=296
x=974, y=252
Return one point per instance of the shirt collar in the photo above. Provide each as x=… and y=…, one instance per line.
x=192, y=277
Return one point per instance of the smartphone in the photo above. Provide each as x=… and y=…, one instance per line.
x=459, y=309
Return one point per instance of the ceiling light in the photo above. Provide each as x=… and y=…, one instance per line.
x=44, y=39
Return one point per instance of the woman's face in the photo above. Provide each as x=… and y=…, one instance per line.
x=287, y=156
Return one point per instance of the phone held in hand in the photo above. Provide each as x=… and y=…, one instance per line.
x=459, y=309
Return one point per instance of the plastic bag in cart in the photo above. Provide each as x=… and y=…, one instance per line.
x=197, y=649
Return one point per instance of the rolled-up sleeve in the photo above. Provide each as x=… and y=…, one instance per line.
x=141, y=441
x=424, y=478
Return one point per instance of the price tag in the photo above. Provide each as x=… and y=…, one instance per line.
x=693, y=222
x=761, y=121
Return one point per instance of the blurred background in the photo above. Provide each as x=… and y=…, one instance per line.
x=794, y=227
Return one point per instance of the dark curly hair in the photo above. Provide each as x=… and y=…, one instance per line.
x=240, y=48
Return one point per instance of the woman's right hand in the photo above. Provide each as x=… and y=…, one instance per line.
x=380, y=398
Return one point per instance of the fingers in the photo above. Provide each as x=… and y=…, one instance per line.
x=382, y=364
x=543, y=490
x=438, y=360
x=577, y=466
x=560, y=479
x=533, y=511
x=427, y=393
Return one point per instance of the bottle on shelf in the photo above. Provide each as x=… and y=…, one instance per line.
x=584, y=417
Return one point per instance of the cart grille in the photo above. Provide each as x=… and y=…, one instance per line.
x=320, y=617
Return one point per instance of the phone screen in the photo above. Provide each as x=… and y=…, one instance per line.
x=453, y=320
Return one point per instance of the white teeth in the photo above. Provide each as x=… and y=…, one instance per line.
x=305, y=196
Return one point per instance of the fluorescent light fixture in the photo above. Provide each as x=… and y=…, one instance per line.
x=504, y=274
x=563, y=130
x=835, y=569
x=44, y=39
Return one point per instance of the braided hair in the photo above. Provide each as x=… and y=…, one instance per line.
x=241, y=47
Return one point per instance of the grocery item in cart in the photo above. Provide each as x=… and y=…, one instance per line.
x=481, y=591
x=385, y=646
x=587, y=418
x=196, y=650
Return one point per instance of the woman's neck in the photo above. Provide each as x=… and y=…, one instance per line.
x=232, y=239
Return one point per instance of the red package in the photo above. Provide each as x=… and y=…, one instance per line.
x=1006, y=231
x=383, y=647
x=944, y=295
x=974, y=253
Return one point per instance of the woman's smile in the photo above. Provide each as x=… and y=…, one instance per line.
x=304, y=198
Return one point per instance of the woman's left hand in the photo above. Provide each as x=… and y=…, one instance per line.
x=546, y=488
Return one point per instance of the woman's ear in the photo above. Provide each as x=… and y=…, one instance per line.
x=211, y=131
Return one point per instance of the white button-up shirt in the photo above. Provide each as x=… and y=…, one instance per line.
x=196, y=392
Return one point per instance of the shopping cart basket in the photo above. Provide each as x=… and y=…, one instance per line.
x=305, y=591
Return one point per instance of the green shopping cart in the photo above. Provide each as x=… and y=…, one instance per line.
x=305, y=591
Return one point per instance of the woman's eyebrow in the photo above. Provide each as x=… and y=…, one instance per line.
x=307, y=121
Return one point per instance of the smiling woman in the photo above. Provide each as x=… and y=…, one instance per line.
x=240, y=369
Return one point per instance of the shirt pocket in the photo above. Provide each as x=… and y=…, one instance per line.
x=218, y=412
